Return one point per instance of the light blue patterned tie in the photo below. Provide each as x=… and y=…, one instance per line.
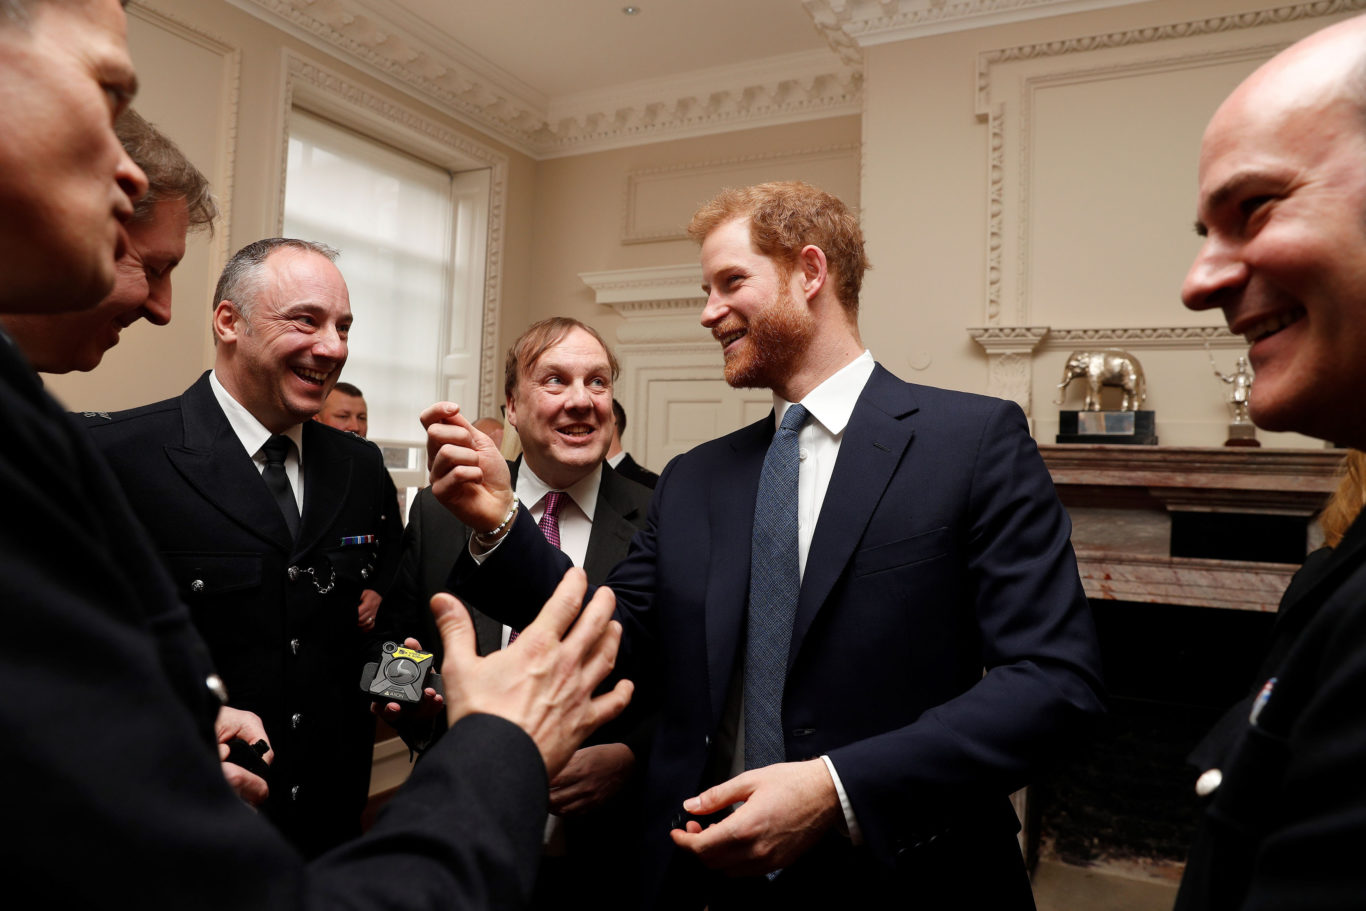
x=774, y=580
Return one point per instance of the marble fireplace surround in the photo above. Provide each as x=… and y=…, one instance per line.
x=1121, y=499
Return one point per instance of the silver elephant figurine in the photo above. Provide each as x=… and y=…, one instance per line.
x=1106, y=367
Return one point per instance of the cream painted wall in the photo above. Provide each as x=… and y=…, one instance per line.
x=1108, y=159
x=581, y=203
x=213, y=78
x=1098, y=158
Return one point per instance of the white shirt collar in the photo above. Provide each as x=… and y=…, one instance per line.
x=531, y=489
x=832, y=402
x=251, y=432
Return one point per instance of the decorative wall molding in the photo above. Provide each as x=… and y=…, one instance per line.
x=232, y=62
x=683, y=176
x=381, y=38
x=1009, y=352
x=862, y=23
x=786, y=89
x=1290, y=13
x=1010, y=349
x=337, y=96
x=1166, y=338
x=654, y=287
x=1007, y=112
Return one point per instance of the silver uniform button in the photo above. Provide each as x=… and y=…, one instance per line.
x=293, y=573
x=294, y=646
x=197, y=585
x=295, y=719
x=365, y=572
x=294, y=793
x=217, y=687
x=1209, y=782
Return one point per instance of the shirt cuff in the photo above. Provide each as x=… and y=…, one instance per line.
x=851, y=824
x=481, y=556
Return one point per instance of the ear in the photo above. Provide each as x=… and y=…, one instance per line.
x=225, y=320
x=512, y=412
x=813, y=270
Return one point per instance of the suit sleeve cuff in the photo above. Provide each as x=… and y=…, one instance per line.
x=850, y=822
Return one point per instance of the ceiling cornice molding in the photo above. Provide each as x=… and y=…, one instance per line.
x=781, y=89
x=381, y=38
x=853, y=24
x=351, y=31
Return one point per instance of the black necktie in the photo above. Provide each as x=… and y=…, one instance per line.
x=275, y=450
x=774, y=581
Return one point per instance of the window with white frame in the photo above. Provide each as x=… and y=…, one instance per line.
x=412, y=237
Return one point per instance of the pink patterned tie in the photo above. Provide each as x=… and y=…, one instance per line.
x=550, y=527
x=550, y=521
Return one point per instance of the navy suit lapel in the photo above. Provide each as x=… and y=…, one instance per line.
x=874, y=441
x=730, y=520
x=214, y=463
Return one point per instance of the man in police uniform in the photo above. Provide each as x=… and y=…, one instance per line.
x=1282, y=208
x=272, y=558
x=345, y=409
x=108, y=710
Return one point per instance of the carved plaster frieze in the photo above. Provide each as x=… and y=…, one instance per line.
x=379, y=37
x=1009, y=352
x=851, y=24
x=646, y=291
x=1311, y=10
x=1166, y=338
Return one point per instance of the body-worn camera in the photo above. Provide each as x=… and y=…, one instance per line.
x=400, y=674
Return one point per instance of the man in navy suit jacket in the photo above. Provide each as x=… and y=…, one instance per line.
x=942, y=647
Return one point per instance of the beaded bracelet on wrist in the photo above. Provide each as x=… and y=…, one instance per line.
x=490, y=538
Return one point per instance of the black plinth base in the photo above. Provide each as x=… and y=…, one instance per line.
x=1133, y=428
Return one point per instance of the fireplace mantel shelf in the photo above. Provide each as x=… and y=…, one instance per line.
x=1121, y=499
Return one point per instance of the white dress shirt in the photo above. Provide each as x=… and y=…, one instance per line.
x=253, y=435
x=576, y=512
x=818, y=445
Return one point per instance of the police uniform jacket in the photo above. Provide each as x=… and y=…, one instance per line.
x=1284, y=806
x=279, y=615
x=106, y=728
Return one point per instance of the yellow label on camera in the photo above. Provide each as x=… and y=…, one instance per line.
x=402, y=652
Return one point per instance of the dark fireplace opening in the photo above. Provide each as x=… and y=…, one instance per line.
x=1127, y=795
x=1258, y=537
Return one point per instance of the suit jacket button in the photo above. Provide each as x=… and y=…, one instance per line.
x=1209, y=782
x=365, y=572
x=294, y=793
x=197, y=585
x=295, y=719
x=293, y=572
x=706, y=741
x=217, y=687
x=294, y=646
